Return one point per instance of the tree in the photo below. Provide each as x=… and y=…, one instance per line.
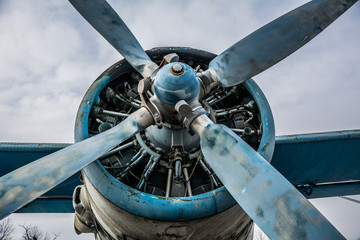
x=34, y=233
x=6, y=229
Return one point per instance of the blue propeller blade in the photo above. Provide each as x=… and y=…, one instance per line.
x=276, y=40
x=266, y=196
x=107, y=22
x=25, y=184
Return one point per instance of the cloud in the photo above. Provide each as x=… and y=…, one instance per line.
x=47, y=63
x=49, y=56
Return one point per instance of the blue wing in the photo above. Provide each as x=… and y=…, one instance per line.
x=57, y=200
x=319, y=165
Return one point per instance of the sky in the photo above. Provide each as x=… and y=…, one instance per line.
x=49, y=56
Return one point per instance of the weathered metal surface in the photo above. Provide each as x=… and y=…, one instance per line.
x=267, y=143
x=25, y=184
x=318, y=158
x=162, y=208
x=131, y=199
x=268, y=198
x=165, y=137
x=16, y=155
x=91, y=95
x=107, y=22
x=276, y=40
x=286, y=158
x=306, y=151
x=230, y=224
x=171, y=88
x=157, y=207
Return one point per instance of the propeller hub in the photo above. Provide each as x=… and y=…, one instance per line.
x=176, y=81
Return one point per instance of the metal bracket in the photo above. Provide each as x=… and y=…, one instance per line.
x=169, y=58
x=143, y=87
x=187, y=113
x=208, y=80
x=309, y=188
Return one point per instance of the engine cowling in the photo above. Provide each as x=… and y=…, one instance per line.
x=158, y=185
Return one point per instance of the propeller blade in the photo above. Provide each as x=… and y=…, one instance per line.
x=266, y=196
x=107, y=22
x=276, y=40
x=25, y=184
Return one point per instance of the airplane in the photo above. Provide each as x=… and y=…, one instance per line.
x=181, y=229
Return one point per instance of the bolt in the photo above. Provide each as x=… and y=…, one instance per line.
x=177, y=69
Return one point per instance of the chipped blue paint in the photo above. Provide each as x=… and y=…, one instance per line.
x=16, y=155
x=267, y=143
x=25, y=184
x=276, y=40
x=157, y=207
x=108, y=23
x=86, y=104
x=162, y=208
x=267, y=197
x=137, y=202
x=171, y=88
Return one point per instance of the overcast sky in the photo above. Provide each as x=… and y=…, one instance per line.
x=49, y=56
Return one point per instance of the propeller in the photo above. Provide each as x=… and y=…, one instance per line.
x=274, y=204
x=25, y=184
x=266, y=196
x=276, y=40
x=107, y=22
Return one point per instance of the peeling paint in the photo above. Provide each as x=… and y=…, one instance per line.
x=42, y=175
x=269, y=199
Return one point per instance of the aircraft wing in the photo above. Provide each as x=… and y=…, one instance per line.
x=319, y=165
x=57, y=200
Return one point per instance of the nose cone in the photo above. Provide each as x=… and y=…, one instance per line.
x=175, y=82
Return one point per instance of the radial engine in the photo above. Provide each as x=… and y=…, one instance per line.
x=158, y=184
